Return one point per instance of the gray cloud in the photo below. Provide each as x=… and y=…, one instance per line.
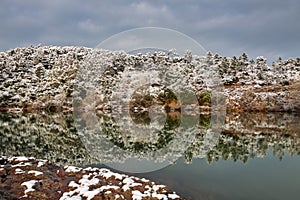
x=269, y=28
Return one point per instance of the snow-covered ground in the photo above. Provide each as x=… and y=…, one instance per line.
x=44, y=180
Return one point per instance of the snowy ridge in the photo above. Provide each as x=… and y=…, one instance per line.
x=43, y=77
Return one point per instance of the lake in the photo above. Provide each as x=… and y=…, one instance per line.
x=231, y=156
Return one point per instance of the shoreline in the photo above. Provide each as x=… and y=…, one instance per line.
x=29, y=178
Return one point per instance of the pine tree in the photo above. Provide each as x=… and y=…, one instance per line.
x=234, y=65
x=243, y=58
x=209, y=58
x=243, y=62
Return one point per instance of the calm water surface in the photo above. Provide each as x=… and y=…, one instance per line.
x=259, y=178
x=249, y=156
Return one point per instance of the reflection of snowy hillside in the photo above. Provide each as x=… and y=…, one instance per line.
x=242, y=137
x=158, y=142
x=250, y=135
x=44, y=136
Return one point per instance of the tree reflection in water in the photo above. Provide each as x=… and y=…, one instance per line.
x=53, y=136
x=162, y=137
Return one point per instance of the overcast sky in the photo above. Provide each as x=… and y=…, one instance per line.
x=270, y=28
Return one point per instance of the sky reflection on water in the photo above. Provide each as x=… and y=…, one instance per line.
x=259, y=178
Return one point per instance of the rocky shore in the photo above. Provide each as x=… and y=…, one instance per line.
x=28, y=178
